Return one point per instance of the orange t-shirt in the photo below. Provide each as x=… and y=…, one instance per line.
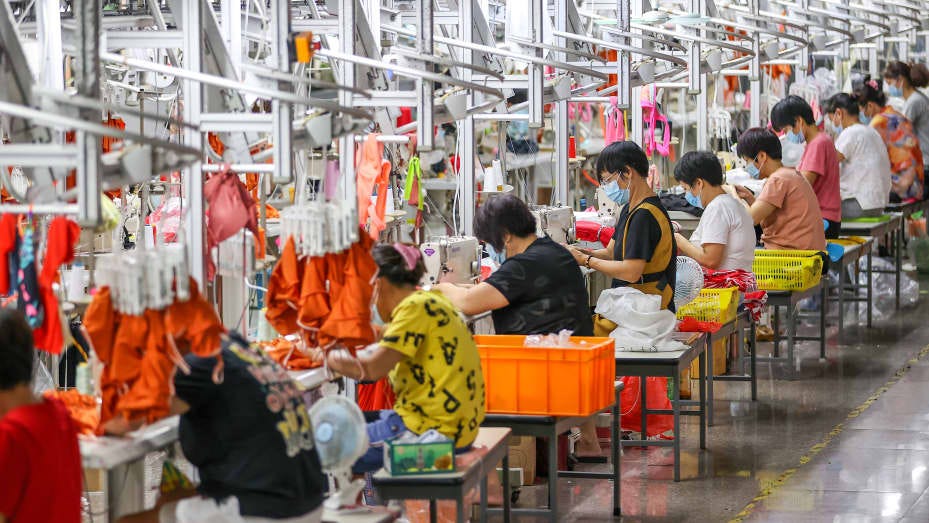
x=796, y=223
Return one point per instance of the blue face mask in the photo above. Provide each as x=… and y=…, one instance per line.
x=752, y=170
x=693, y=200
x=498, y=257
x=793, y=137
x=863, y=119
x=613, y=192
x=895, y=91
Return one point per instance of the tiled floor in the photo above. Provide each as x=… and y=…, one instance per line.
x=875, y=469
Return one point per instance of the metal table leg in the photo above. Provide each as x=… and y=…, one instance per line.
x=870, y=287
x=709, y=378
x=433, y=511
x=615, y=435
x=754, y=360
x=460, y=506
x=553, y=475
x=676, y=408
x=822, y=324
x=841, y=297
x=791, y=332
x=506, y=488
x=777, y=331
x=643, y=390
x=897, y=248
x=703, y=406
x=483, y=515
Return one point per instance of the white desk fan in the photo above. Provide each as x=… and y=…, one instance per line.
x=341, y=438
x=689, y=281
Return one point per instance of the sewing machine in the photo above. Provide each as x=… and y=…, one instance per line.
x=457, y=258
x=557, y=222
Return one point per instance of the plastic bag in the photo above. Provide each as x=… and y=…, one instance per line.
x=883, y=291
x=562, y=339
x=41, y=379
x=631, y=405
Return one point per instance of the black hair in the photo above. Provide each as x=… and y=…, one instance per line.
x=915, y=74
x=616, y=157
x=756, y=140
x=841, y=101
x=391, y=265
x=519, y=96
x=17, y=351
x=503, y=214
x=699, y=165
x=866, y=92
x=786, y=111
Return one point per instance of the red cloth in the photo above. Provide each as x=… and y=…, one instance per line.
x=690, y=324
x=753, y=299
x=593, y=232
x=7, y=243
x=41, y=465
x=62, y=236
x=376, y=396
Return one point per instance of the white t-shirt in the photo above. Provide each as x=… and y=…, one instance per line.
x=865, y=173
x=727, y=222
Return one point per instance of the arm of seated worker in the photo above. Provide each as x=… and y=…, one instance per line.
x=368, y=366
x=626, y=270
x=810, y=176
x=759, y=209
x=709, y=255
x=474, y=300
x=603, y=254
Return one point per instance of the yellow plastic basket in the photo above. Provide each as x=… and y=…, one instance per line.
x=719, y=305
x=787, y=270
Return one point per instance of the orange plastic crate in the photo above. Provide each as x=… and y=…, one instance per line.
x=549, y=381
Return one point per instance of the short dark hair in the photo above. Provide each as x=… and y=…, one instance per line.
x=841, y=101
x=786, y=111
x=699, y=165
x=870, y=90
x=756, y=140
x=617, y=156
x=503, y=214
x=17, y=350
x=391, y=265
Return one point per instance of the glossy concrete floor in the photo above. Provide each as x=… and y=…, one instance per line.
x=874, y=467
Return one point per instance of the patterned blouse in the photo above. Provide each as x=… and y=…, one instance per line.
x=906, y=158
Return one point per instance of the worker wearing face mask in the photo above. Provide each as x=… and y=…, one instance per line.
x=903, y=149
x=538, y=288
x=786, y=209
x=904, y=81
x=725, y=237
x=642, y=253
x=819, y=163
x=864, y=166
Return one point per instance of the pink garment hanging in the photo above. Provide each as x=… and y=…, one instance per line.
x=367, y=168
x=331, y=183
x=378, y=210
x=614, y=123
x=231, y=208
x=652, y=116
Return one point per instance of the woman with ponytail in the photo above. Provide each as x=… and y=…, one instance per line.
x=906, y=157
x=906, y=80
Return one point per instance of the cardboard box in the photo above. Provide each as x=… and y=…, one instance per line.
x=522, y=456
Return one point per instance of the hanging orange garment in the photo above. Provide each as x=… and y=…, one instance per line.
x=377, y=212
x=101, y=321
x=194, y=324
x=368, y=163
x=283, y=297
x=216, y=144
x=314, y=295
x=62, y=236
x=7, y=243
x=149, y=396
x=128, y=349
x=349, y=323
x=81, y=407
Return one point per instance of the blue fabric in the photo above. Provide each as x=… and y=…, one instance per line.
x=387, y=427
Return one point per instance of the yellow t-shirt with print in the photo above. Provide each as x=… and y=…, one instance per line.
x=439, y=384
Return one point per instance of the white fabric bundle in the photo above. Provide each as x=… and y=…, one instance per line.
x=641, y=324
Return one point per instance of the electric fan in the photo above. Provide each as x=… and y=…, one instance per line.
x=689, y=281
x=341, y=438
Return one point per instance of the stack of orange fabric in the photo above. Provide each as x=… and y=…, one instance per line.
x=289, y=355
x=140, y=353
x=82, y=407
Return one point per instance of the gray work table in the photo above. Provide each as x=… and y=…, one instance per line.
x=731, y=328
x=671, y=365
x=790, y=300
x=894, y=227
x=551, y=427
x=455, y=485
x=849, y=260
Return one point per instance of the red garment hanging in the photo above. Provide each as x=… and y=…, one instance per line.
x=63, y=235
